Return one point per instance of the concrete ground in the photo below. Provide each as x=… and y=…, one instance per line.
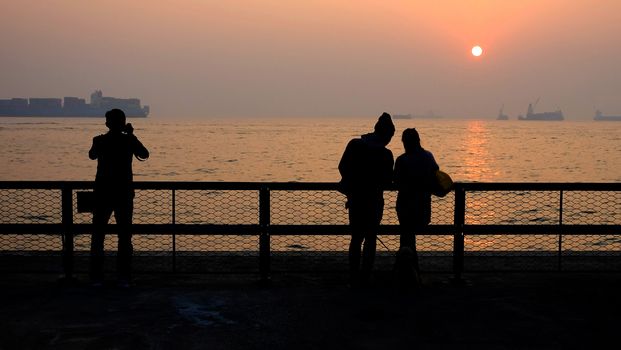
x=313, y=311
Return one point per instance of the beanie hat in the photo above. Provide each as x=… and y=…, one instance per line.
x=384, y=125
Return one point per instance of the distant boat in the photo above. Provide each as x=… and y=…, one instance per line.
x=71, y=106
x=501, y=115
x=428, y=115
x=531, y=115
x=402, y=116
x=606, y=118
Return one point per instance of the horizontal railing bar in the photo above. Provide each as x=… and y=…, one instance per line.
x=316, y=186
x=539, y=186
x=195, y=229
x=155, y=229
x=541, y=229
x=318, y=230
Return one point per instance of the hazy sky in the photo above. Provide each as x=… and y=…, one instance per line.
x=318, y=57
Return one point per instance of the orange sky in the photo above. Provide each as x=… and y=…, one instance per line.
x=322, y=57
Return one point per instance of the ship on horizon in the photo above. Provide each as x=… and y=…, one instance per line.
x=71, y=106
x=501, y=115
x=606, y=118
x=428, y=115
x=531, y=115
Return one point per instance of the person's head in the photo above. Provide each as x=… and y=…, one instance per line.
x=411, y=140
x=384, y=128
x=115, y=119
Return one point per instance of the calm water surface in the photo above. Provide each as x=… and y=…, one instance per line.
x=309, y=149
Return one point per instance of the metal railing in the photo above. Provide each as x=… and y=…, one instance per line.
x=494, y=220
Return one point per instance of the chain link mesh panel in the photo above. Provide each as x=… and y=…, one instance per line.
x=217, y=253
x=591, y=208
x=30, y=206
x=37, y=252
x=239, y=252
x=317, y=252
x=587, y=252
x=308, y=208
x=512, y=208
x=515, y=251
x=223, y=207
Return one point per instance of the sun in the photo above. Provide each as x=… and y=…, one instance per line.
x=477, y=51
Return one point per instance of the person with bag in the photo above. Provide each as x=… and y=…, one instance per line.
x=114, y=192
x=415, y=179
x=366, y=170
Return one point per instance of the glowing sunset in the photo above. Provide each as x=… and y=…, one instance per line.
x=202, y=58
x=477, y=51
x=310, y=174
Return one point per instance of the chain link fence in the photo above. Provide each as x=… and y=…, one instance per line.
x=221, y=227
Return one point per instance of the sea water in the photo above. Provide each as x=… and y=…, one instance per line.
x=308, y=150
x=297, y=149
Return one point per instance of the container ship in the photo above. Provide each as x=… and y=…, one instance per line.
x=428, y=115
x=531, y=115
x=71, y=106
x=606, y=118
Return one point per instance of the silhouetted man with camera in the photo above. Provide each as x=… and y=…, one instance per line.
x=114, y=192
x=366, y=169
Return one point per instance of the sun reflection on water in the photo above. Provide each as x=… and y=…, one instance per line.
x=476, y=152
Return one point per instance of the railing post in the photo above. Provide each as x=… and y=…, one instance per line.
x=264, y=237
x=174, y=233
x=560, y=232
x=458, y=237
x=67, y=236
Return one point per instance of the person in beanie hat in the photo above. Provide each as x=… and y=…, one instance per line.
x=366, y=170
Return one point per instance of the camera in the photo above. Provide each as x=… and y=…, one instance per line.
x=129, y=129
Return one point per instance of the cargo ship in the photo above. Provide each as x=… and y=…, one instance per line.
x=71, y=106
x=606, y=118
x=531, y=115
x=428, y=115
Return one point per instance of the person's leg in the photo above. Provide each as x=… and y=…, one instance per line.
x=355, y=248
x=368, y=254
x=355, y=245
x=412, y=220
x=406, y=235
x=373, y=217
x=123, y=214
x=101, y=216
x=420, y=224
x=412, y=245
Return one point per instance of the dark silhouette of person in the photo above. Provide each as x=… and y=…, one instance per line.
x=114, y=192
x=414, y=178
x=366, y=170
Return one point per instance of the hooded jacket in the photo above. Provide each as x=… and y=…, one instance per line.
x=366, y=166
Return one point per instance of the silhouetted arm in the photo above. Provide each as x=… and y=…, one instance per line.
x=398, y=173
x=387, y=173
x=346, y=163
x=140, y=150
x=436, y=167
x=93, y=153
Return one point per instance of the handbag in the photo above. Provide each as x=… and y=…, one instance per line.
x=86, y=201
x=443, y=184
